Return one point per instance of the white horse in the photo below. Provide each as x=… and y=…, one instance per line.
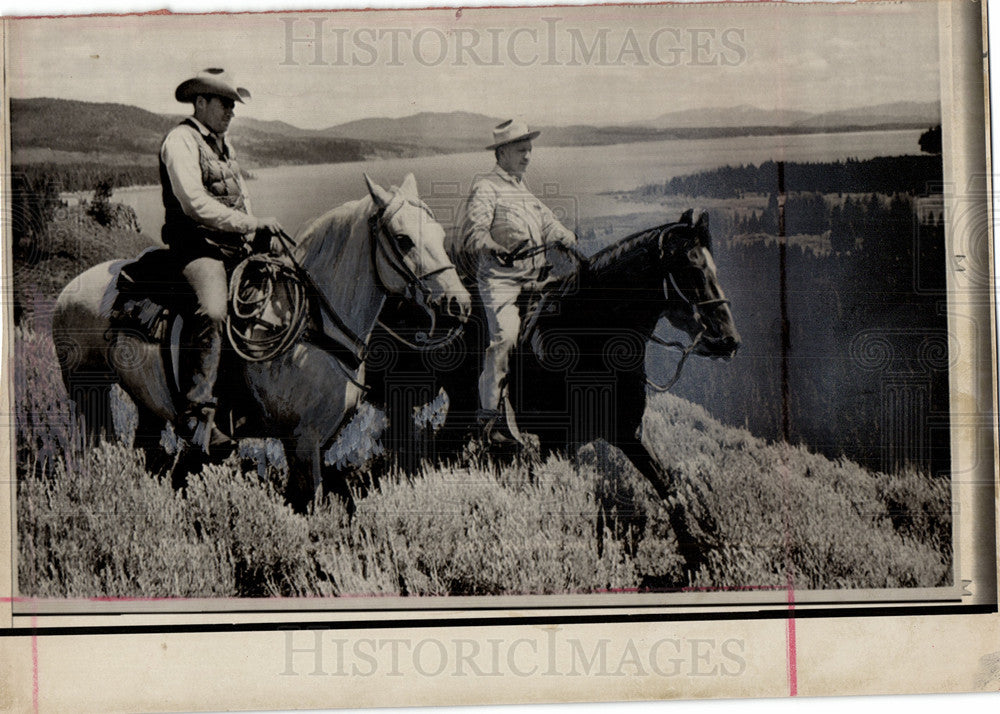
x=385, y=244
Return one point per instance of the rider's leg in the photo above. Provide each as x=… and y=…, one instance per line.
x=503, y=322
x=203, y=348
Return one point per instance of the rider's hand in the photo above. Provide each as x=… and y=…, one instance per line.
x=265, y=238
x=277, y=246
x=498, y=251
x=269, y=224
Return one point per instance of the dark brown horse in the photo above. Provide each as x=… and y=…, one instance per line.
x=579, y=372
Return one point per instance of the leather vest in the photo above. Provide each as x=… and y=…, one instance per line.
x=220, y=176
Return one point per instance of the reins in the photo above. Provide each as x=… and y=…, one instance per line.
x=522, y=252
x=685, y=353
x=685, y=350
x=250, y=306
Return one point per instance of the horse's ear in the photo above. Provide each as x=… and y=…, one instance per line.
x=686, y=216
x=380, y=196
x=409, y=186
x=701, y=229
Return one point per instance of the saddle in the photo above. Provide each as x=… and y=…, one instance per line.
x=267, y=302
x=151, y=290
x=542, y=300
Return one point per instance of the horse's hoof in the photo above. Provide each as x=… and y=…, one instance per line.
x=219, y=453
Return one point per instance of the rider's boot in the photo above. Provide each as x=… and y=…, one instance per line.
x=493, y=429
x=198, y=428
x=199, y=368
x=499, y=432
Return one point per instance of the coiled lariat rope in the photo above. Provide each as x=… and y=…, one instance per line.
x=268, y=308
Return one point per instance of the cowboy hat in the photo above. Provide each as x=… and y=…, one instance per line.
x=210, y=81
x=510, y=131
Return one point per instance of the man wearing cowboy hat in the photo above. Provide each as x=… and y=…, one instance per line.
x=500, y=221
x=207, y=225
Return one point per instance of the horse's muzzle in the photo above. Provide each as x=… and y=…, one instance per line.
x=724, y=347
x=455, y=306
x=449, y=298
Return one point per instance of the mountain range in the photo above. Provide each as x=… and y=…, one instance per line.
x=63, y=131
x=745, y=116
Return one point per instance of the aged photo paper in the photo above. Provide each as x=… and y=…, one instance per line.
x=497, y=355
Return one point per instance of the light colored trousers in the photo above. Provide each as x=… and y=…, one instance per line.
x=499, y=290
x=200, y=359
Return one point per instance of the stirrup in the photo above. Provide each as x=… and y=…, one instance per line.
x=198, y=428
x=495, y=434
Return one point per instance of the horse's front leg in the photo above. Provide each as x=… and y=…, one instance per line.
x=305, y=478
x=309, y=478
x=304, y=399
x=149, y=438
x=692, y=522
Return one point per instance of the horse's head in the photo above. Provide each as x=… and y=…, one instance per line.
x=409, y=254
x=696, y=301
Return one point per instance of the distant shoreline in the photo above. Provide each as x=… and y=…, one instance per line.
x=115, y=169
x=74, y=197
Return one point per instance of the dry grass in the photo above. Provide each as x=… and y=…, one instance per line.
x=94, y=523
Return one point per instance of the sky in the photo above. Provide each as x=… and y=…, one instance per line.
x=556, y=65
x=549, y=65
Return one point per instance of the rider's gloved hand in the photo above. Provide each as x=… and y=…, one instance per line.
x=270, y=224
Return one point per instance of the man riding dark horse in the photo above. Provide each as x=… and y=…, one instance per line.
x=503, y=230
x=208, y=226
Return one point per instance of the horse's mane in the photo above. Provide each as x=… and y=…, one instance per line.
x=326, y=236
x=622, y=256
x=608, y=262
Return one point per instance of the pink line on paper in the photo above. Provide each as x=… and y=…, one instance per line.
x=793, y=681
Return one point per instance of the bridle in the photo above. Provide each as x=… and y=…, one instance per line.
x=698, y=307
x=384, y=241
x=378, y=227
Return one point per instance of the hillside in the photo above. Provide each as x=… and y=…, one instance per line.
x=761, y=516
x=466, y=131
x=927, y=113
x=441, y=132
x=743, y=115
x=747, y=513
x=73, y=131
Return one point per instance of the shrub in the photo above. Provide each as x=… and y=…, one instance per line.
x=96, y=523
x=100, y=206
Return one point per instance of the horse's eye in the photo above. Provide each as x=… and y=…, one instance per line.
x=404, y=242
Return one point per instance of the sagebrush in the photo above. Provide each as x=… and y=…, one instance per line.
x=93, y=522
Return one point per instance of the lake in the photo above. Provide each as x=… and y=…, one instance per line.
x=570, y=179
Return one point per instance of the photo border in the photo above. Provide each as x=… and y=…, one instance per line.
x=29, y=619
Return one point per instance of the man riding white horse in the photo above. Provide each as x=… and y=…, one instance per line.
x=503, y=230
x=208, y=225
